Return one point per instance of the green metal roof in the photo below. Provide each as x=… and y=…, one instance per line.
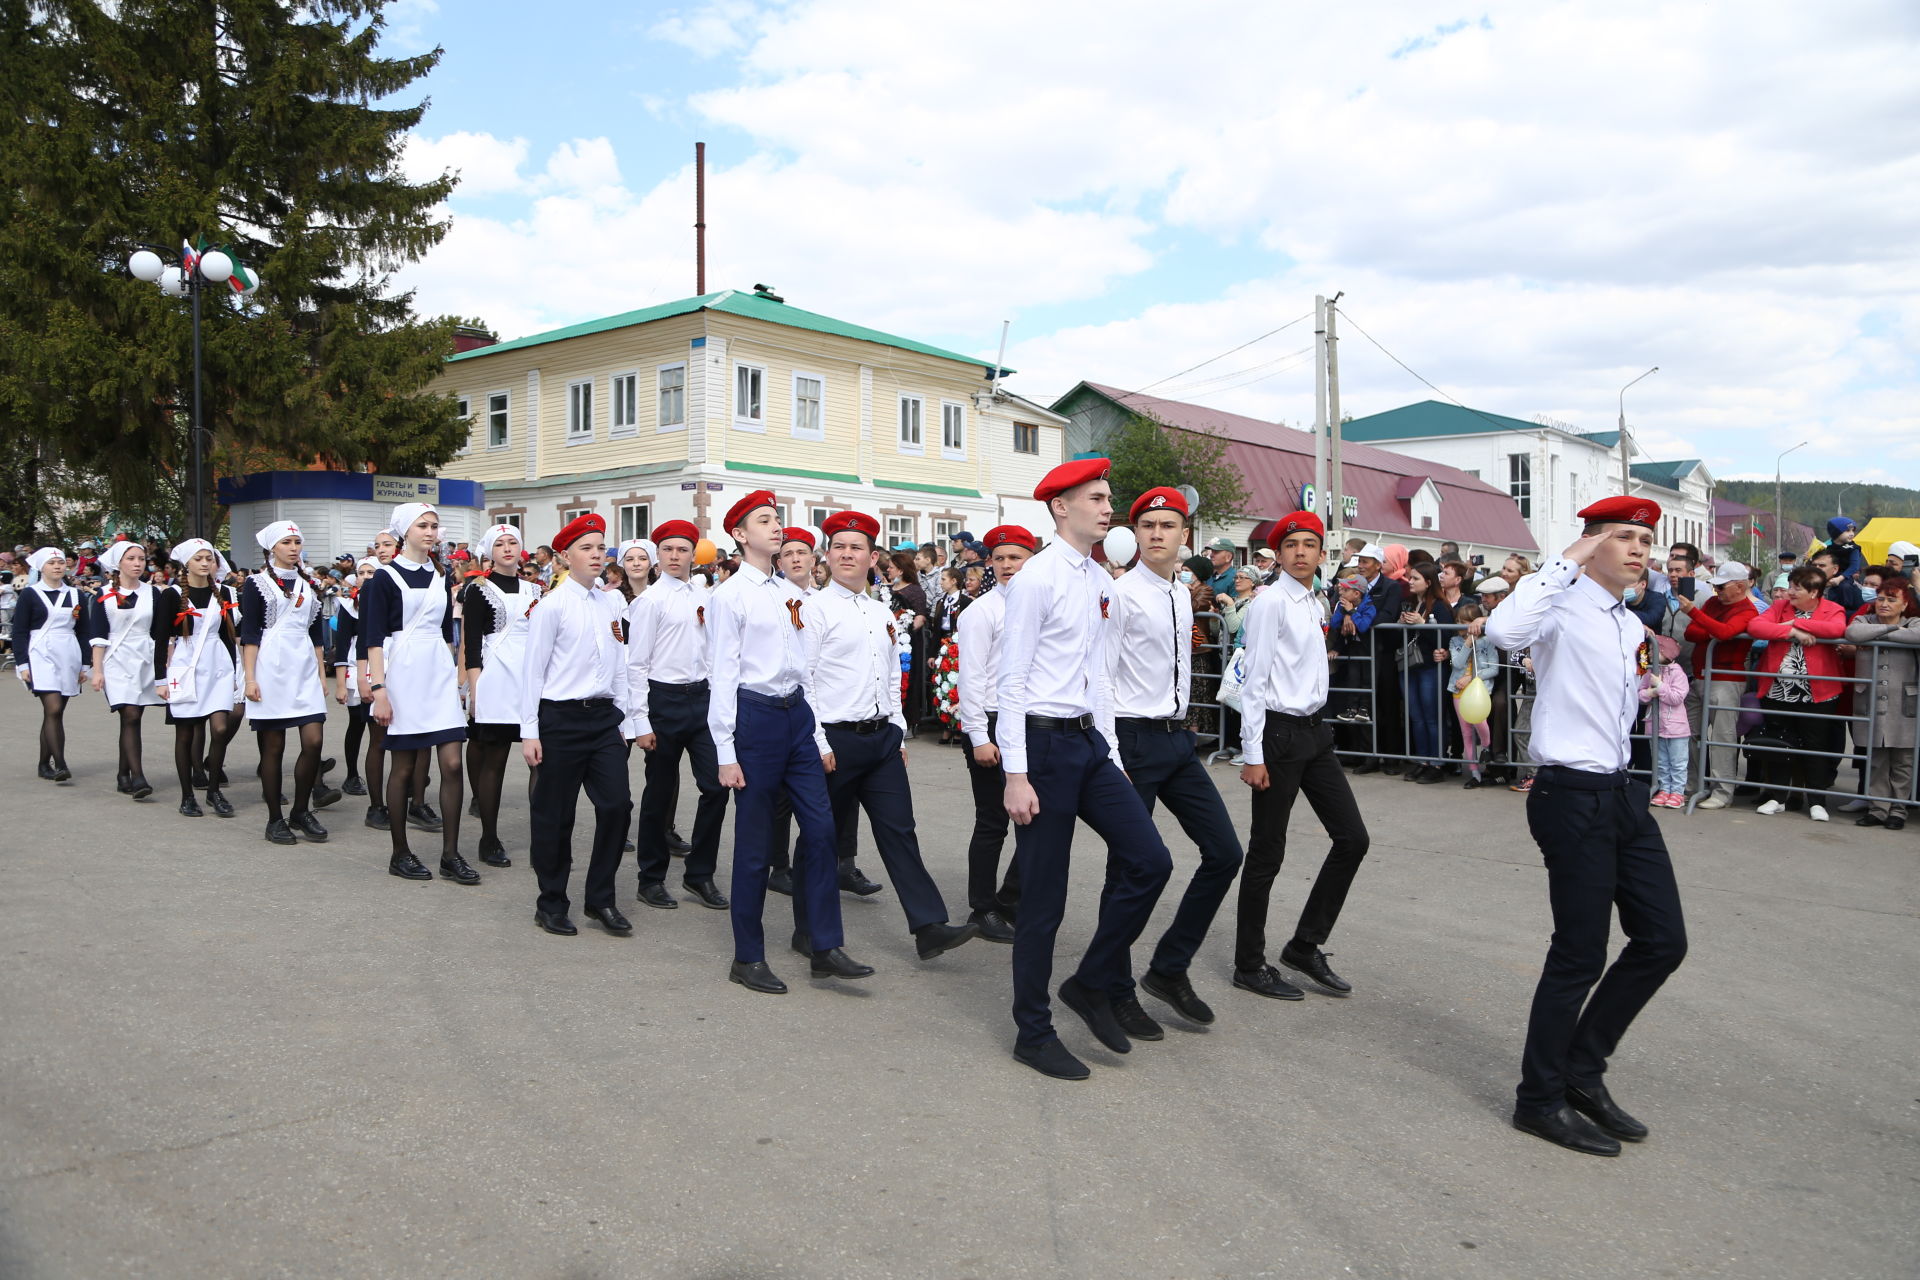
x=1605, y=439
x=1432, y=418
x=733, y=302
x=1668, y=475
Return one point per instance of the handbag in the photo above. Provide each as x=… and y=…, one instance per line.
x=1232, y=680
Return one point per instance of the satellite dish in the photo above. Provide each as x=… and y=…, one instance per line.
x=1192, y=495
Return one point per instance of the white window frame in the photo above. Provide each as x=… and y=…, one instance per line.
x=805, y=433
x=943, y=531
x=741, y=422
x=953, y=453
x=902, y=529
x=508, y=518
x=1029, y=431
x=463, y=408
x=631, y=427
x=782, y=510
x=917, y=446
x=1520, y=486
x=579, y=395
x=505, y=411
x=571, y=514
x=817, y=516
x=662, y=423
x=625, y=525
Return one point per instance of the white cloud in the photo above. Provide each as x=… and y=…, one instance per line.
x=709, y=30
x=485, y=164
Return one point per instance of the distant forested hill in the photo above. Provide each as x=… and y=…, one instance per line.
x=1814, y=502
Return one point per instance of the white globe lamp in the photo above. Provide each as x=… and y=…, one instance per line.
x=215, y=266
x=145, y=265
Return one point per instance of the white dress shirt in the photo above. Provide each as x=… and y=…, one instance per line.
x=979, y=638
x=1585, y=648
x=1053, y=658
x=572, y=652
x=666, y=642
x=853, y=663
x=1286, y=641
x=751, y=644
x=1149, y=647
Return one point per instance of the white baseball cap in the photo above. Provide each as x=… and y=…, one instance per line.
x=1730, y=571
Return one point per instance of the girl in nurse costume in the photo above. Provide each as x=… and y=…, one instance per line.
x=284, y=665
x=418, y=812
x=495, y=605
x=406, y=627
x=128, y=629
x=344, y=632
x=50, y=637
x=195, y=672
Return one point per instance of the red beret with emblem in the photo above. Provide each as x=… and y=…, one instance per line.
x=676, y=529
x=1298, y=522
x=578, y=528
x=851, y=522
x=1071, y=475
x=1160, y=499
x=753, y=501
x=794, y=533
x=1641, y=511
x=1010, y=535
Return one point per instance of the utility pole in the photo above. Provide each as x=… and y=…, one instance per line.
x=1779, y=520
x=1319, y=401
x=1626, y=472
x=1336, y=504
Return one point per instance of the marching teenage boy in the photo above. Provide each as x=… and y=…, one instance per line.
x=573, y=708
x=1150, y=662
x=981, y=624
x=1054, y=689
x=1601, y=845
x=762, y=733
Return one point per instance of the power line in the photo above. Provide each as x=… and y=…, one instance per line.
x=1289, y=360
x=1210, y=359
x=1504, y=426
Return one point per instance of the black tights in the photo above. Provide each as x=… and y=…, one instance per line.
x=306, y=767
x=212, y=747
x=130, y=765
x=187, y=739
x=487, y=765
x=357, y=722
x=53, y=730
x=377, y=765
x=408, y=773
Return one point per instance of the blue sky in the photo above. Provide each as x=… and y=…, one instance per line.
x=1528, y=203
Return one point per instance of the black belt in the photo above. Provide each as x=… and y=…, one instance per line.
x=859, y=726
x=793, y=698
x=1315, y=719
x=580, y=704
x=691, y=686
x=1584, y=779
x=1069, y=724
x=1154, y=724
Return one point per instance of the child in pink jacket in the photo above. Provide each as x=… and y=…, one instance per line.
x=1667, y=722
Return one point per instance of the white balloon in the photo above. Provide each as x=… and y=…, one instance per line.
x=215, y=266
x=1120, y=545
x=146, y=265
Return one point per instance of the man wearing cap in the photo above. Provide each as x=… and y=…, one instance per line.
x=667, y=708
x=1221, y=552
x=1054, y=691
x=1287, y=749
x=978, y=637
x=1265, y=564
x=1720, y=624
x=573, y=708
x=1387, y=596
x=852, y=680
x=1601, y=845
x=762, y=733
x=1149, y=653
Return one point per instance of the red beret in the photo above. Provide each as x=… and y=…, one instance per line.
x=1010, y=535
x=1298, y=522
x=851, y=522
x=577, y=529
x=1641, y=511
x=738, y=511
x=1071, y=475
x=1159, y=499
x=794, y=533
x=676, y=529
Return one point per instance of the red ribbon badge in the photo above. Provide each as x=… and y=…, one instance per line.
x=892, y=638
x=619, y=631
x=1103, y=606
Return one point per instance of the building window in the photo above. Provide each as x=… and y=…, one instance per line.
x=580, y=411
x=750, y=397
x=780, y=510
x=817, y=516
x=1026, y=438
x=626, y=405
x=497, y=405
x=943, y=531
x=673, y=397
x=509, y=518
x=911, y=408
x=901, y=529
x=1474, y=472
x=809, y=406
x=953, y=430
x=634, y=521
x=462, y=409
x=1520, y=483
x=571, y=514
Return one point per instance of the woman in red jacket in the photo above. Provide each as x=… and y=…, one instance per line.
x=1800, y=692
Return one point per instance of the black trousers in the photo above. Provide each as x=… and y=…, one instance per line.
x=1165, y=767
x=678, y=713
x=1603, y=849
x=869, y=773
x=581, y=746
x=990, y=823
x=1300, y=759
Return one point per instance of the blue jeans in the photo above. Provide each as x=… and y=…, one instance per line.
x=1422, y=685
x=1670, y=765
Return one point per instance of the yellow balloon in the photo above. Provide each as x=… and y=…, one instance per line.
x=704, y=552
x=1476, y=704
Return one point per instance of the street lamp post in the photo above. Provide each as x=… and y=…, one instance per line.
x=1779, y=522
x=1626, y=480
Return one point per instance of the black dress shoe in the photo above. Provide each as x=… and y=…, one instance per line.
x=1135, y=1021
x=1367, y=766
x=354, y=786
x=706, y=894
x=556, y=923
x=937, y=939
x=1429, y=775
x=199, y=779
x=1177, y=990
x=1313, y=962
x=1869, y=820
x=1471, y=783
x=327, y=764
x=218, y=803
x=456, y=868
x=1896, y=822
x=61, y=773
x=278, y=832
x=308, y=827
x=835, y=963
x=423, y=818
x=1564, y=1128
x=120, y=783
x=993, y=926
x=1266, y=981
x=756, y=977
x=656, y=895
x=780, y=880
x=1392, y=768
x=1097, y=1012
x=1051, y=1059
x=677, y=844
x=46, y=772
x=407, y=867
x=138, y=787
x=190, y=808
x=1596, y=1104
x=494, y=854
x=627, y=846
x=611, y=919
x=377, y=818
x=854, y=880
x=324, y=796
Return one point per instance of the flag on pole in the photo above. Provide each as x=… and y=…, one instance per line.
x=241, y=279
x=189, y=257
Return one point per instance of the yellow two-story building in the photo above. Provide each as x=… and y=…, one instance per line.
x=672, y=411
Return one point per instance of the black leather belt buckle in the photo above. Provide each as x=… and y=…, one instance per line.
x=1069, y=724
x=859, y=726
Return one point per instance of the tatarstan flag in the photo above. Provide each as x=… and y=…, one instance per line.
x=241, y=279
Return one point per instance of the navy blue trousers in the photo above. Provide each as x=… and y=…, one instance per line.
x=869, y=774
x=1165, y=767
x=1073, y=778
x=989, y=840
x=679, y=719
x=773, y=742
x=581, y=747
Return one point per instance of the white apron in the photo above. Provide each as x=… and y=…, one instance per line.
x=128, y=661
x=53, y=658
x=351, y=667
x=496, y=695
x=200, y=672
x=285, y=670
x=423, y=687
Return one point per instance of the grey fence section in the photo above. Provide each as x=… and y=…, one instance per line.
x=1216, y=726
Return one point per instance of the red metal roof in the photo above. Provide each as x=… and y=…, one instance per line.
x=1277, y=460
